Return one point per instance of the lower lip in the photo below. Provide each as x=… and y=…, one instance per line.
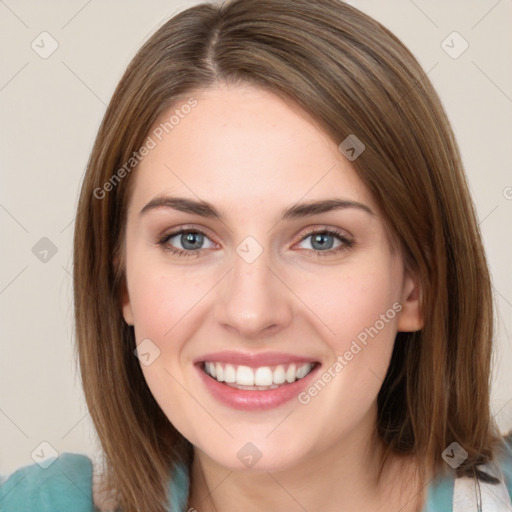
x=248, y=400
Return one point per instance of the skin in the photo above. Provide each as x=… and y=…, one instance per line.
x=251, y=155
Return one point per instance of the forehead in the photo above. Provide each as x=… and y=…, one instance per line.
x=245, y=147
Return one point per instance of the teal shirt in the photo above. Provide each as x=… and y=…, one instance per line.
x=66, y=485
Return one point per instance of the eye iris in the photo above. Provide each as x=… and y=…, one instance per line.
x=320, y=238
x=196, y=239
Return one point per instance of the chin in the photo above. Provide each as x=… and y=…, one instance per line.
x=256, y=456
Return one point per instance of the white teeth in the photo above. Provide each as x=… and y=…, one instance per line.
x=279, y=375
x=229, y=374
x=219, y=370
x=290, y=373
x=245, y=376
x=262, y=378
x=302, y=371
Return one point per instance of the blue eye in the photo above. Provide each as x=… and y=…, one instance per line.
x=192, y=240
x=322, y=241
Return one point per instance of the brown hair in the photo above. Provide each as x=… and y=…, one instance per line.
x=354, y=77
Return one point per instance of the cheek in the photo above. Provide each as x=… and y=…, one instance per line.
x=355, y=302
x=361, y=311
x=159, y=302
x=359, y=305
x=164, y=301
x=368, y=312
x=160, y=305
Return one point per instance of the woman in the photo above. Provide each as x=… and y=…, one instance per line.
x=281, y=296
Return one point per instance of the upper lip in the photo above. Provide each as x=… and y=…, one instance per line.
x=254, y=360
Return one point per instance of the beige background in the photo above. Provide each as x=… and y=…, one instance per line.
x=51, y=108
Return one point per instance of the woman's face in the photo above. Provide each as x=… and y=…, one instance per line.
x=257, y=291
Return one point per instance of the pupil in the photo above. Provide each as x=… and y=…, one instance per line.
x=321, y=239
x=190, y=238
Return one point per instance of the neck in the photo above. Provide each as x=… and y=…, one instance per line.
x=344, y=478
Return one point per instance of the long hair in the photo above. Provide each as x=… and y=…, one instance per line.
x=354, y=78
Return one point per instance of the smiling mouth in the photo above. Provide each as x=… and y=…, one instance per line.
x=261, y=378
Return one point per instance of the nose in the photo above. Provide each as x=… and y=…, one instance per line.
x=253, y=301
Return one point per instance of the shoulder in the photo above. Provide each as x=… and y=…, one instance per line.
x=446, y=493
x=63, y=483
x=178, y=488
x=506, y=461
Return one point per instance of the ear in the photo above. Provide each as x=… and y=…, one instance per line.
x=125, y=303
x=410, y=318
x=124, y=296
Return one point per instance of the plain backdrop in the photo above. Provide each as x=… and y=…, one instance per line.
x=50, y=109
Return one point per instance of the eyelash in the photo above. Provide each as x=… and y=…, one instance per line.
x=346, y=243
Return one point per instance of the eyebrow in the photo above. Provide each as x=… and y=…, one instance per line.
x=207, y=210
